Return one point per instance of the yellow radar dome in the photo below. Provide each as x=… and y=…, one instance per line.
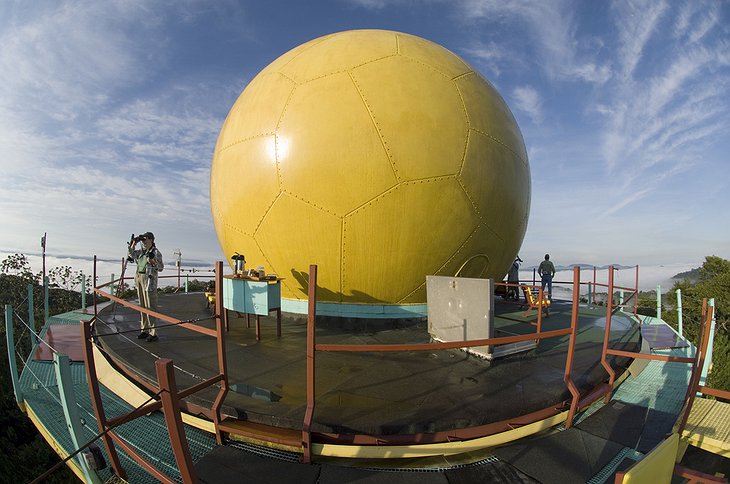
x=380, y=156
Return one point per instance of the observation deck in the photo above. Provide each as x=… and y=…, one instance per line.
x=380, y=398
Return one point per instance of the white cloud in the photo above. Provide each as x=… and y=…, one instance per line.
x=528, y=100
x=636, y=23
x=659, y=124
x=490, y=55
x=695, y=20
x=552, y=30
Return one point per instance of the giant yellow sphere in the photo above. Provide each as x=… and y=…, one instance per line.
x=381, y=157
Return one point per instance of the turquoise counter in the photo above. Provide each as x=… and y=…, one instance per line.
x=249, y=296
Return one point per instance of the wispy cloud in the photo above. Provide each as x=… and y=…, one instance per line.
x=636, y=22
x=490, y=55
x=528, y=100
x=695, y=20
x=73, y=137
x=551, y=27
x=664, y=118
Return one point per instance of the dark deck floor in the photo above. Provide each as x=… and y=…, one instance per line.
x=369, y=393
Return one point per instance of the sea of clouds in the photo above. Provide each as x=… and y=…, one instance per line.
x=649, y=276
x=107, y=269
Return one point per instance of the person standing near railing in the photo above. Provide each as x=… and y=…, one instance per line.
x=149, y=263
x=547, y=271
x=513, y=278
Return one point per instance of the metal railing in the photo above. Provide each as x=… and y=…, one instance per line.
x=458, y=434
x=170, y=397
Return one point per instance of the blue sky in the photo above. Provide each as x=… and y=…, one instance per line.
x=109, y=113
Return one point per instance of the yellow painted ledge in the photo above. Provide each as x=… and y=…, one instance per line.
x=708, y=426
x=72, y=464
x=443, y=448
x=132, y=394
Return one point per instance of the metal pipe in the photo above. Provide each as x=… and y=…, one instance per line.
x=11, y=355
x=93, y=296
x=171, y=407
x=311, y=350
x=607, y=336
x=442, y=346
x=679, y=312
x=83, y=291
x=590, y=294
x=659, y=301
x=132, y=451
x=31, y=316
x=636, y=301
x=594, y=285
x=697, y=367
x=567, y=378
x=95, y=395
x=710, y=342
x=45, y=300
x=221, y=348
x=164, y=317
x=645, y=356
x=540, y=302
x=71, y=412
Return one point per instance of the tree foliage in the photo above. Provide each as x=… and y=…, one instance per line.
x=24, y=454
x=714, y=282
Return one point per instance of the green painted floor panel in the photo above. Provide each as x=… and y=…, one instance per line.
x=148, y=434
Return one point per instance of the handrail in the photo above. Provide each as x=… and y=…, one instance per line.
x=567, y=377
x=697, y=362
x=714, y=392
x=694, y=381
x=164, y=317
x=313, y=347
x=311, y=350
x=502, y=340
x=607, y=336
x=458, y=271
x=170, y=397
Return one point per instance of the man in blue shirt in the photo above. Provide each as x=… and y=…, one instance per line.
x=547, y=271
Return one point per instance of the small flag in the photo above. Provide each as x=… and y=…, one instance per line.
x=43, y=241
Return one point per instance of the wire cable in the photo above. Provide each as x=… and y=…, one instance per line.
x=143, y=348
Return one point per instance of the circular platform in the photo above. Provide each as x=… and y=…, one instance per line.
x=377, y=394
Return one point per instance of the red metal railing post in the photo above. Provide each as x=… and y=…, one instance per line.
x=311, y=319
x=540, y=295
x=571, y=350
x=701, y=351
x=171, y=408
x=607, y=336
x=95, y=394
x=221, y=347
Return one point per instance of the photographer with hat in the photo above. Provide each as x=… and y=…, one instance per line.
x=149, y=264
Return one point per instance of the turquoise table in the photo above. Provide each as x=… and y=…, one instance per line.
x=252, y=296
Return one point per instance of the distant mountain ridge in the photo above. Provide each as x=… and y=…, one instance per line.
x=692, y=275
x=569, y=267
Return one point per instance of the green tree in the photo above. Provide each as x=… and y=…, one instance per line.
x=714, y=282
x=24, y=454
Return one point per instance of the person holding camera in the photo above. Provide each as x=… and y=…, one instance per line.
x=149, y=263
